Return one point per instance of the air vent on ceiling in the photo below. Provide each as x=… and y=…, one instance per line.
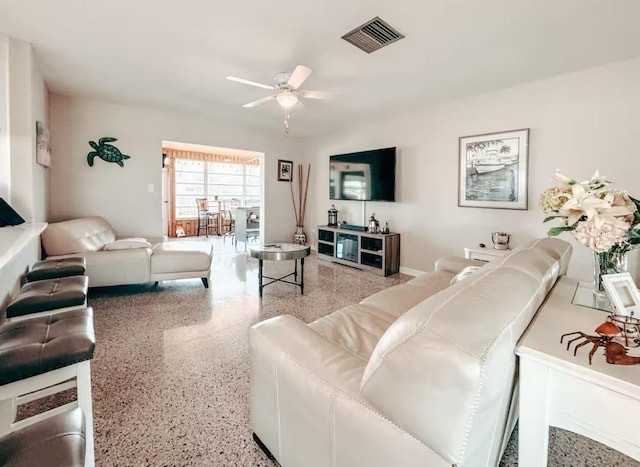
x=372, y=35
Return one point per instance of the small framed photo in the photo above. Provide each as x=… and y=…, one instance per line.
x=492, y=170
x=285, y=171
x=623, y=294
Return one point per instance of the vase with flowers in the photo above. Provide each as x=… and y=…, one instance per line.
x=600, y=217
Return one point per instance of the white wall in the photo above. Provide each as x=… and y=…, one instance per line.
x=39, y=112
x=120, y=194
x=5, y=160
x=579, y=123
x=23, y=182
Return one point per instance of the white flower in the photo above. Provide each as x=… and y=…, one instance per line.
x=552, y=199
x=596, y=181
x=560, y=177
x=601, y=238
x=582, y=203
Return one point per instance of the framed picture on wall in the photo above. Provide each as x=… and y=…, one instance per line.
x=43, y=151
x=492, y=171
x=285, y=171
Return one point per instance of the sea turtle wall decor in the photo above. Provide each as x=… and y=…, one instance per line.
x=106, y=152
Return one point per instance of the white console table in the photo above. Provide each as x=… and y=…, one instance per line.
x=599, y=401
x=484, y=254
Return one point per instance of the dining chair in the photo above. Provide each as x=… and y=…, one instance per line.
x=207, y=219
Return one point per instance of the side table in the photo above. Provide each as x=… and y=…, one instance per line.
x=281, y=252
x=599, y=401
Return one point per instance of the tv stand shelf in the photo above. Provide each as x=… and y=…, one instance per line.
x=375, y=253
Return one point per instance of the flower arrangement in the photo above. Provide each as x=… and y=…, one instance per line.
x=600, y=217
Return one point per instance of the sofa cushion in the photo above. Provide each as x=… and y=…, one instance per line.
x=357, y=328
x=398, y=299
x=127, y=244
x=434, y=281
x=77, y=236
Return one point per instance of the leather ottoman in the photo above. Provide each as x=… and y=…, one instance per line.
x=181, y=260
x=56, y=268
x=48, y=295
x=35, y=346
x=58, y=441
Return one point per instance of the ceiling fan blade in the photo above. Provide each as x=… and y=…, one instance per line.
x=259, y=101
x=315, y=94
x=298, y=76
x=250, y=83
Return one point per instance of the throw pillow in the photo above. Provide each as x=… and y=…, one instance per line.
x=466, y=272
x=127, y=244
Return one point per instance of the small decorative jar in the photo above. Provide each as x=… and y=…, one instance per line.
x=333, y=216
x=300, y=237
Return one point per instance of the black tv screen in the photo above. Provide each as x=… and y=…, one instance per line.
x=364, y=176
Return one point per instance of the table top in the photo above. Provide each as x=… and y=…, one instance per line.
x=279, y=251
x=557, y=316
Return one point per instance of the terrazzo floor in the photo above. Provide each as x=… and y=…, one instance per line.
x=171, y=366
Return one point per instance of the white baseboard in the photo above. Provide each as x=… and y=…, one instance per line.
x=410, y=272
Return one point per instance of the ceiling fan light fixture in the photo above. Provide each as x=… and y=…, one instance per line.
x=287, y=99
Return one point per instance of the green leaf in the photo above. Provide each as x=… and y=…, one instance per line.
x=553, y=231
x=636, y=202
x=633, y=237
x=552, y=217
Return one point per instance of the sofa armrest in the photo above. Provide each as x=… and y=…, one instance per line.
x=307, y=408
x=293, y=368
x=287, y=337
x=455, y=264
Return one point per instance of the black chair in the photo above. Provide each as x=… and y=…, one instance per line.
x=227, y=219
x=207, y=220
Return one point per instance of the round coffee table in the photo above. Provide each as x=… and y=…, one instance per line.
x=281, y=252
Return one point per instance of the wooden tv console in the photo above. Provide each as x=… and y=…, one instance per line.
x=376, y=253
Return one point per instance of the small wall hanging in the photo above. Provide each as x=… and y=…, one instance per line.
x=43, y=151
x=106, y=152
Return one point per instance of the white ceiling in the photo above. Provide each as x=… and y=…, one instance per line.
x=176, y=54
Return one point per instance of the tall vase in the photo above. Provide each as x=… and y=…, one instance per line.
x=608, y=262
x=300, y=237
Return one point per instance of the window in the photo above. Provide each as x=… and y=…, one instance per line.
x=235, y=184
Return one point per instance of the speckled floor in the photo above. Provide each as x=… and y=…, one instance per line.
x=171, y=367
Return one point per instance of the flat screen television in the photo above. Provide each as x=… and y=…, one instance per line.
x=364, y=176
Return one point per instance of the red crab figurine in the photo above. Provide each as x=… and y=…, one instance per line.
x=606, y=332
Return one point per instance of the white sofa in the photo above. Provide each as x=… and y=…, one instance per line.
x=420, y=374
x=135, y=261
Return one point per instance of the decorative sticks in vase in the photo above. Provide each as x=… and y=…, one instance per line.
x=299, y=211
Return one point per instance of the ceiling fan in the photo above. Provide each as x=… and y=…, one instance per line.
x=287, y=90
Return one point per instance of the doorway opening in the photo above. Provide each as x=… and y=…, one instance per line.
x=205, y=188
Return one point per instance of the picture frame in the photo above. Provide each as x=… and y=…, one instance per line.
x=623, y=294
x=285, y=171
x=43, y=151
x=493, y=170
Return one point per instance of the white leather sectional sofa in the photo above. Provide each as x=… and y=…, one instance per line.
x=420, y=374
x=113, y=261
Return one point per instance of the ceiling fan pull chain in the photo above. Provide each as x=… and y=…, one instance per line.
x=286, y=121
